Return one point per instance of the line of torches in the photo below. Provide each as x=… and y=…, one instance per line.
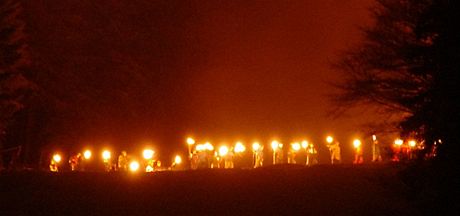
x=223, y=150
x=106, y=155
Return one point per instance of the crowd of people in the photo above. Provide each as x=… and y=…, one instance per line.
x=203, y=156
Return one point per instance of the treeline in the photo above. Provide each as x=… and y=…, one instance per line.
x=85, y=72
x=409, y=64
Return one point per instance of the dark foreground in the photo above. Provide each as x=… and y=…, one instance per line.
x=320, y=190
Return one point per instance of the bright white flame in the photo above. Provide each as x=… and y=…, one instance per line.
x=87, y=154
x=149, y=168
x=399, y=142
x=296, y=146
x=255, y=146
x=356, y=143
x=412, y=143
x=57, y=158
x=200, y=147
x=106, y=155
x=223, y=150
x=177, y=159
x=280, y=146
x=134, y=166
x=208, y=146
x=329, y=139
x=148, y=154
x=190, y=141
x=275, y=145
x=239, y=147
x=304, y=144
x=374, y=137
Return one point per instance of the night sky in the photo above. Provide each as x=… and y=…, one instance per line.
x=130, y=72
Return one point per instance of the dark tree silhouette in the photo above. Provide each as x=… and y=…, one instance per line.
x=407, y=64
x=13, y=62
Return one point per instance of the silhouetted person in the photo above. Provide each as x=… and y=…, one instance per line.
x=376, y=155
x=312, y=155
x=123, y=161
x=334, y=149
x=75, y=162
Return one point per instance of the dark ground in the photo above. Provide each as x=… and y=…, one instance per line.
x=276, y=190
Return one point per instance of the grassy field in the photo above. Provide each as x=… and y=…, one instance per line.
x=275, y=190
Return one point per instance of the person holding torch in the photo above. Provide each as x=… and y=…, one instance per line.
x=358, y=151
x=376, y=156
x=258, y=156
x=312, y=154
x=334, y=149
